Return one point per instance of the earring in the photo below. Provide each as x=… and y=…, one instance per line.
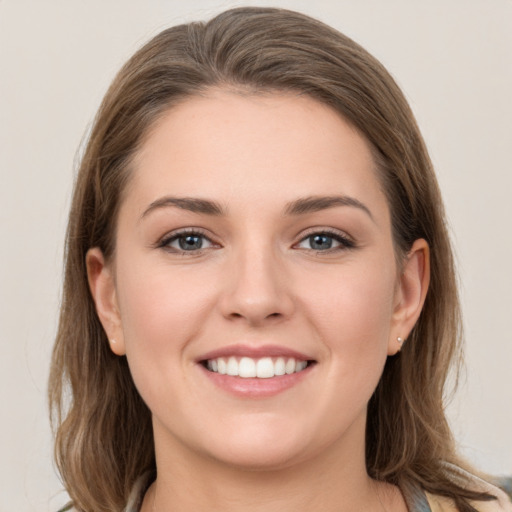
x=400, y=343
x=112, y=341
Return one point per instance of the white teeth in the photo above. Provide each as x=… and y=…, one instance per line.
x=279, y=366
x=263, y=368
x=222, y=366
x=290, y=366
x=247, y=368
x=300, y=365
x=232, y=368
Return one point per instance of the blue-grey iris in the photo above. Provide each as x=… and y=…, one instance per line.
x=190, y=242
x=320, y=242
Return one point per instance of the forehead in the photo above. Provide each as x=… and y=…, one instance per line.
x=238, y=147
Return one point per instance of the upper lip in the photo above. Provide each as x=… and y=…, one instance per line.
x=254, y=352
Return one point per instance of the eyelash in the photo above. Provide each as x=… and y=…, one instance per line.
x=345, y=242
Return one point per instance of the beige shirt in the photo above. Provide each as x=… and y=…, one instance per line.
x=502, y=504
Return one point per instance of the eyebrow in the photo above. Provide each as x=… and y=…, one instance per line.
x=192, y=204
x=313, y=204
x=299, y=206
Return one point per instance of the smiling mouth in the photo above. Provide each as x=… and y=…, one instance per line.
x=260, y=368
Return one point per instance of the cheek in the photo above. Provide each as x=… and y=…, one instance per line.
x=161, y=309
x=352, y=308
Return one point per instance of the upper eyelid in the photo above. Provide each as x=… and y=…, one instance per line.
x=186, y=231
x=325, y=230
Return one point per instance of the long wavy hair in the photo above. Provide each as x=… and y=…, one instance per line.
x=103, y=428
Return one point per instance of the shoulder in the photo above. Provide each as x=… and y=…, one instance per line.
x=502, y=502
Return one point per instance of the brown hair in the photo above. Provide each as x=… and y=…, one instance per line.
x=103, y=429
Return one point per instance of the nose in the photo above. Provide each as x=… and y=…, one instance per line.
x=257, y=288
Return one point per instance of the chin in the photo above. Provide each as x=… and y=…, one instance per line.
x=261, y=448
x=255, y=458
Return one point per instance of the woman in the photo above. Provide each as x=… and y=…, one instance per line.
x=255, y=230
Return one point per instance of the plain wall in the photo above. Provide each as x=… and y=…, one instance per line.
x=454, y=62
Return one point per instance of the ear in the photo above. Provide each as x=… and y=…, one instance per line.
x=410, y=294
x=103, y=291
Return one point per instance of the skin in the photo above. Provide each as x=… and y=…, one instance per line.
x=258, y=281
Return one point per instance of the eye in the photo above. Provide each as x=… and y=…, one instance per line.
x=186, y=241
x=325, y=241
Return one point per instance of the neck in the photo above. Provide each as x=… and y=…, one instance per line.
x=333, y=481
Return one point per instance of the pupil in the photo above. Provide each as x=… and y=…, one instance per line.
x=321, y=242
x=190, y=242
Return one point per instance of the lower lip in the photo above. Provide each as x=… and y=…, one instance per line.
x=256, y=388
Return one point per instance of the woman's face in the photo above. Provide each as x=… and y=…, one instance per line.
x=254, y=289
